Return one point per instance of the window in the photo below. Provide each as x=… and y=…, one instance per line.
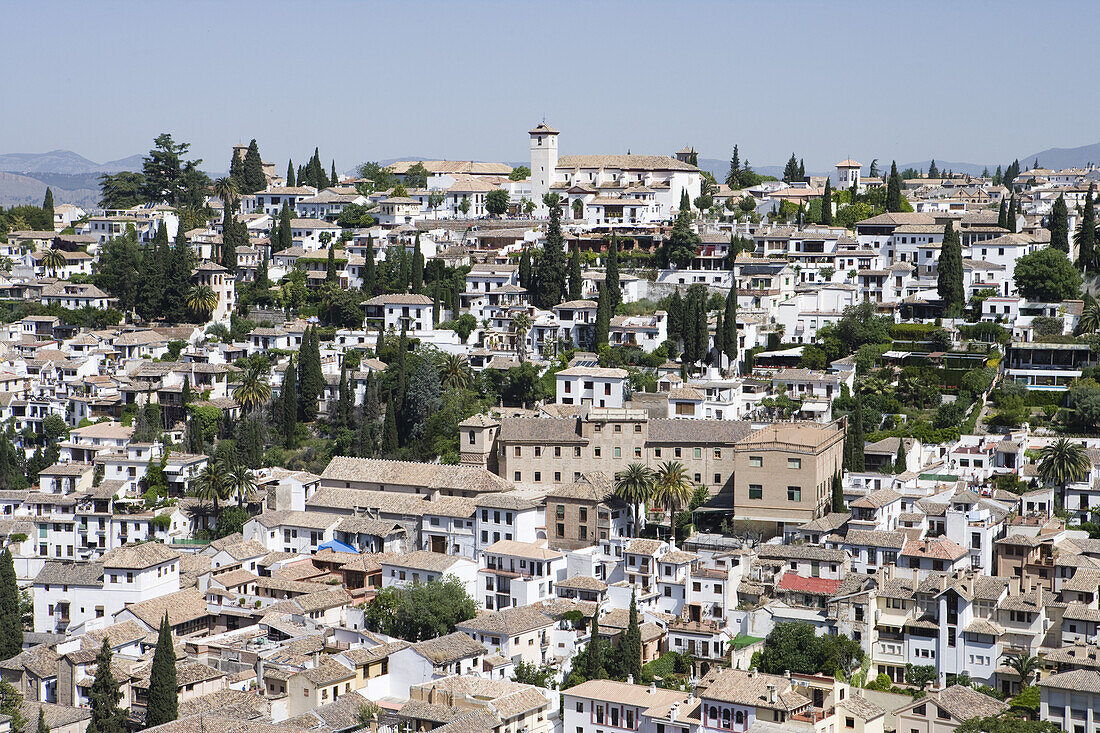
x=617, y=451
x=637, y=427
x=698, y=452
x=756, y=461
x=517, y=451
x=717, y=478
x=517, y=476
x=678, y=452
x=580, y=706
x=794, y=463
x=794, y=493
x=756, y=491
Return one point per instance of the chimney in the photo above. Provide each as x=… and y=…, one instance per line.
x=772, y=695
x=630, y=679
x=673, y=711
x=652, y=688
x=787, y=673
x=755, y=672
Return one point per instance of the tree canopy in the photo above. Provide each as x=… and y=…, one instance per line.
x=423, y=611
x=1047, y=276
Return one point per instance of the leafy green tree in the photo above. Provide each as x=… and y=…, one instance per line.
x=949, y=278
x=634, y=485
x=920, y=675
x=10, y=704
x=162, y=705
x=519, y=173
x=790, y=646
x=423, y=611
x=496, y=202
x=104, y=696
x=11, y=622
x=416, y=176
x=121, y=190
x=171, y=179
x=230, y=521
x=1047, y=276
x=1024, y=665
x=893, y=189
x=1059, y=225
x=933, y=171
x=529, y=673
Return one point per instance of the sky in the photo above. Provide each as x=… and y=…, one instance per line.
x=979, y=82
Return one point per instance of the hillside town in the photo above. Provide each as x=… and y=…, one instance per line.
x=591, y=444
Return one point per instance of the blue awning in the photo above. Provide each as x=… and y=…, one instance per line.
x=339, y=546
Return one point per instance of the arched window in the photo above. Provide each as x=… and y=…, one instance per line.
x=725, y=717
x=740, y=717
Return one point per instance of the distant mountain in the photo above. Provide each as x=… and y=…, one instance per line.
x=16, y=189
x=1058, y=158
x=73, y=178
x=64, y=161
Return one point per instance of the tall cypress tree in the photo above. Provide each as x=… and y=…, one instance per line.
x=11, y=622
x=899, y=459
x=417, y=266
x=611, y=276
x=949, y=278
x=236, y=171
x=525, y=268
x=104, y=696
x=675, y=319
x=853, y=449
x=311, y=382
x=838, y=493
x=368, y=272
x=47, y=207
x=1012, y=214
x=1085, y=236
x=1059, y=225
x=42, y=727
x=254, y=178
x=933, y=171
x=893, y=189
x=290, y=173
x=719, y=339
x=343, y=404
x=288, y=396
x=790, y=171
x=334, y=179
x=389, y=430
x=603, y=318
x=1002, y=214
x=729, y=322
x=593, y=652
x=630, y=647
x=286, y=229
x=801, y=169
x=576, y=279
x=162, y=704
x=330, y=264
x=552, y=265
x=827, y=203
x=230, y=237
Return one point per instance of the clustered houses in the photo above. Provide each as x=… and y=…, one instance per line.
x=924, y=558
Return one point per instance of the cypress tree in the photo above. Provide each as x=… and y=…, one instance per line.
x=675, y=319
x=343, y=404
x=286, y=229
x=576, y=279
x=719, y=339
x=229, y=240
x=899, y=459
x=335, y=179
x=436, y=307
x=603, y=318
x=838, y=493
x=330, y=266
x=949, y=278
x=417, y=266
x=552, y=264
x=933, y=171
x=893, y=189
x=729, y=340
x=311, y=382
x=254, y=178
x=1012, y=215
x=42, y=727
x=1085, y=237
x=162, y=704
x=368, y=272
x=11, y=622
x=1002, y=214
x=525, y=268
x=177, y=281
x=593, y=653
x=389, y=430
x=630, y=646
x=185, y=397
x=611, y=276
x=372, y=404
x=379, y=343
x=47, y=207
x=262, y=280
x=302, y=176
x=289, y=399
x=801, y=169
x=827, y=203
x=290, y=173
x=854, y=459
x=236, y=171
x=1059, y=225
x=702, y=333
x=104, y=696
x=733, y=177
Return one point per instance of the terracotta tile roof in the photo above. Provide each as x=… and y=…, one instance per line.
x=814, y=586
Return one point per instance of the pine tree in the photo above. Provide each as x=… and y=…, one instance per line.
x=630, y=646
x=104, y=696
x=11, y=622
x=417, y=266
x=827, y=203
x=933, y=171
x=552, y=265
x=254, y=178
x=733, y=178
x=790, y=171
x=162, y=706
x=611, y=276
x=838, y=493
x=47, y=207
x=288, y=396
x=949, y=278
x=1002, y=214
x=1012, y=215
x=290, y=174
x=576, y=285
x=893, y=189
x=1059, y=225
x=603, y=319
x=389, y=430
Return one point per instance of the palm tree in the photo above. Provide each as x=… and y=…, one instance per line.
x=634, y=485
x=53, y=260
x=521, y=324
x=202, y=300
x=210, y=484
x=1063, y=462
x=254, y=390
x=1090, y=317
x=1025, y=665
x=242, y=483
x=226, y=190
x=673, y=488
x=454, y=372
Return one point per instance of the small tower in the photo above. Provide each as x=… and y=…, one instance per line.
x=544, y=161
x=847, y=173
x=477, y=438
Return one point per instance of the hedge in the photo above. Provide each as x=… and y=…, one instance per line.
x=911, y=331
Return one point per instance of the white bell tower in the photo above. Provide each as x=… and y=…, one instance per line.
x=544, y=161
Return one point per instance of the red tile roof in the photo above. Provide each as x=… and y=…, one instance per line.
x=819, y=586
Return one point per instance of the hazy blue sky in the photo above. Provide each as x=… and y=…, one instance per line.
x=969, y=81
